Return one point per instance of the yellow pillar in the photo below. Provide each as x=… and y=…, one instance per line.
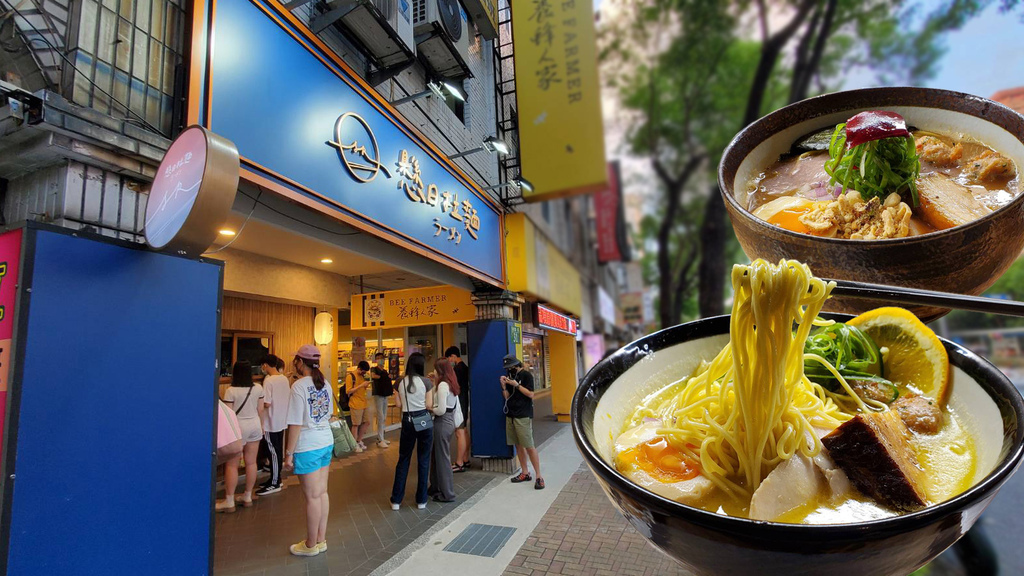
x=563, y=373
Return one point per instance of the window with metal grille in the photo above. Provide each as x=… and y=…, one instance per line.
x=131, y=49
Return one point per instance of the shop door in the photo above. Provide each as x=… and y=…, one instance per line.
x=427, y=341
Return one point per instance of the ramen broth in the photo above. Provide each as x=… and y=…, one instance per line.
x=948, y=459
x=804, y=175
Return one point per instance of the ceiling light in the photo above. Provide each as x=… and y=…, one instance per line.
x=326, y=261
x=227, y=232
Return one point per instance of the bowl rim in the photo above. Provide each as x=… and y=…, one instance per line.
x=817, y=106
x=626, y=357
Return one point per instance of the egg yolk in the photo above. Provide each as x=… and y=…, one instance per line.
x=659, y=459
x=790, y=219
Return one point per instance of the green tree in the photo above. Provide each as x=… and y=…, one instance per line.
x=689, y=75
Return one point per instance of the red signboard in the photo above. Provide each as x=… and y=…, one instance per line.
x=10, y=256
x=548, y=318
x=608, y=214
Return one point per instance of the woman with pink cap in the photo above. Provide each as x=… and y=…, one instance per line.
x=309, y=446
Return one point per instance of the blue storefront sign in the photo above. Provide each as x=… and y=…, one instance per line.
x=309, y=129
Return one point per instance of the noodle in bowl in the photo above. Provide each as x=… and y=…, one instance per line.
x=774, y=421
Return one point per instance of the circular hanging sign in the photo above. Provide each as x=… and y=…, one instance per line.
x=192, y=192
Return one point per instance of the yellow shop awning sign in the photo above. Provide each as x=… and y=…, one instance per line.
x=559, y=98
x=414, y=307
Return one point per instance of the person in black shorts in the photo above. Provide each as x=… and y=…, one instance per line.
x=462, y=432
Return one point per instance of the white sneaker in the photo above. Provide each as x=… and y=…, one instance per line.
x=422, y=506
x=383, y=444
x=394, y=506
x=359, y=448
x=363, y=446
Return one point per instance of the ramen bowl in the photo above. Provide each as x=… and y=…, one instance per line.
x=708, y=543
x=966, y=259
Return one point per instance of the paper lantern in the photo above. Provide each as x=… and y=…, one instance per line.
x=323, y=328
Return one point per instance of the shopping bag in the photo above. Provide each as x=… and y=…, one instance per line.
x=458, y=413
x=229, y=434
x=344, y=441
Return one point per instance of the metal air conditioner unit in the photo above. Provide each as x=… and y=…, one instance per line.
x=384, y=28
x=442, y=36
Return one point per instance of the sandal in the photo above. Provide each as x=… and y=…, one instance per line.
x=539, y=484
x=522, y=477
x=456, y=468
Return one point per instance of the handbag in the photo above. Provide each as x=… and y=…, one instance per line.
x=421, y=419
x=229, y=434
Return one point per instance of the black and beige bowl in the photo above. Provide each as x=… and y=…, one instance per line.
x=706, y=543
x=966, y=259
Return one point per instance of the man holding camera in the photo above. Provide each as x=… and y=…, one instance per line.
x=517, y=388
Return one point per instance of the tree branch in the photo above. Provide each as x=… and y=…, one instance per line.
x=817, y=53
x=800, y=68
x=683, y=282
x=770, y=50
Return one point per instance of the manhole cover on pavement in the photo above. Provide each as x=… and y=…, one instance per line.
x=480, y=540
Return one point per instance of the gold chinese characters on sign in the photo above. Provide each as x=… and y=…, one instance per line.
x=362, y=161
x=412, y=185
x=415, y=307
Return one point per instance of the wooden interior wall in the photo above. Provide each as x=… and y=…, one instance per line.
x=292, y=326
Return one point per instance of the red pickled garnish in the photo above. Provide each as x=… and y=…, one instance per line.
x=874, y=125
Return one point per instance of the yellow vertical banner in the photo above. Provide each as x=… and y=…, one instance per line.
x=561, y=135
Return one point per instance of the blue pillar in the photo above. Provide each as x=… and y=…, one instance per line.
x=489, y=342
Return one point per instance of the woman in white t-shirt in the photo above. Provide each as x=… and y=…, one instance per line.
x=310, y=444
x=243, y=396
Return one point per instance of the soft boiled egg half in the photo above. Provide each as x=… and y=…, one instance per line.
x=651, y=461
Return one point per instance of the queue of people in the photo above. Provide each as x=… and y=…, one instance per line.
x=294, y=424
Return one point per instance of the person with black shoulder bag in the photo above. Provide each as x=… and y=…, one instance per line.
x=415, y=402
x=382, y=389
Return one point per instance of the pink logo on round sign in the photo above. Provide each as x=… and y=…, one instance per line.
x=175, y=187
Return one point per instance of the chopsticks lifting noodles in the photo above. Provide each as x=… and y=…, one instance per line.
x=918, y=297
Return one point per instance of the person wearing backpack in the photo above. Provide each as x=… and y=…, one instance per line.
x=382, y=390
x=357, y=389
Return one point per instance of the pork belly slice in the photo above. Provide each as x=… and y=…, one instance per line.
x=945, y=204
x=874, y=450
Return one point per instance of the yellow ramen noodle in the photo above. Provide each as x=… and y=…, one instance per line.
x=752, y=407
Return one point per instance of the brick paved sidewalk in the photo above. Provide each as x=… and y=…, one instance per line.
x=582, y=534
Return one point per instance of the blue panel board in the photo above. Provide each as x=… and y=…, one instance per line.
x=116, y=413
x=490, y=344
x=283, y=108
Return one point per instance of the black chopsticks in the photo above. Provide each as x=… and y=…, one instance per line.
x=918, y=297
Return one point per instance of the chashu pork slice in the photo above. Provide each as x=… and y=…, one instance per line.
x=945, y=204
x=874, y=450
x=796, y=482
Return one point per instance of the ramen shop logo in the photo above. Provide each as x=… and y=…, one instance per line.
x=359, y=153
x=357, y=147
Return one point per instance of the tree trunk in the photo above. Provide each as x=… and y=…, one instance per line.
x=711, y=272
x=665, y=277
x=712, y=230
x=667, y=307
x=802, y=78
